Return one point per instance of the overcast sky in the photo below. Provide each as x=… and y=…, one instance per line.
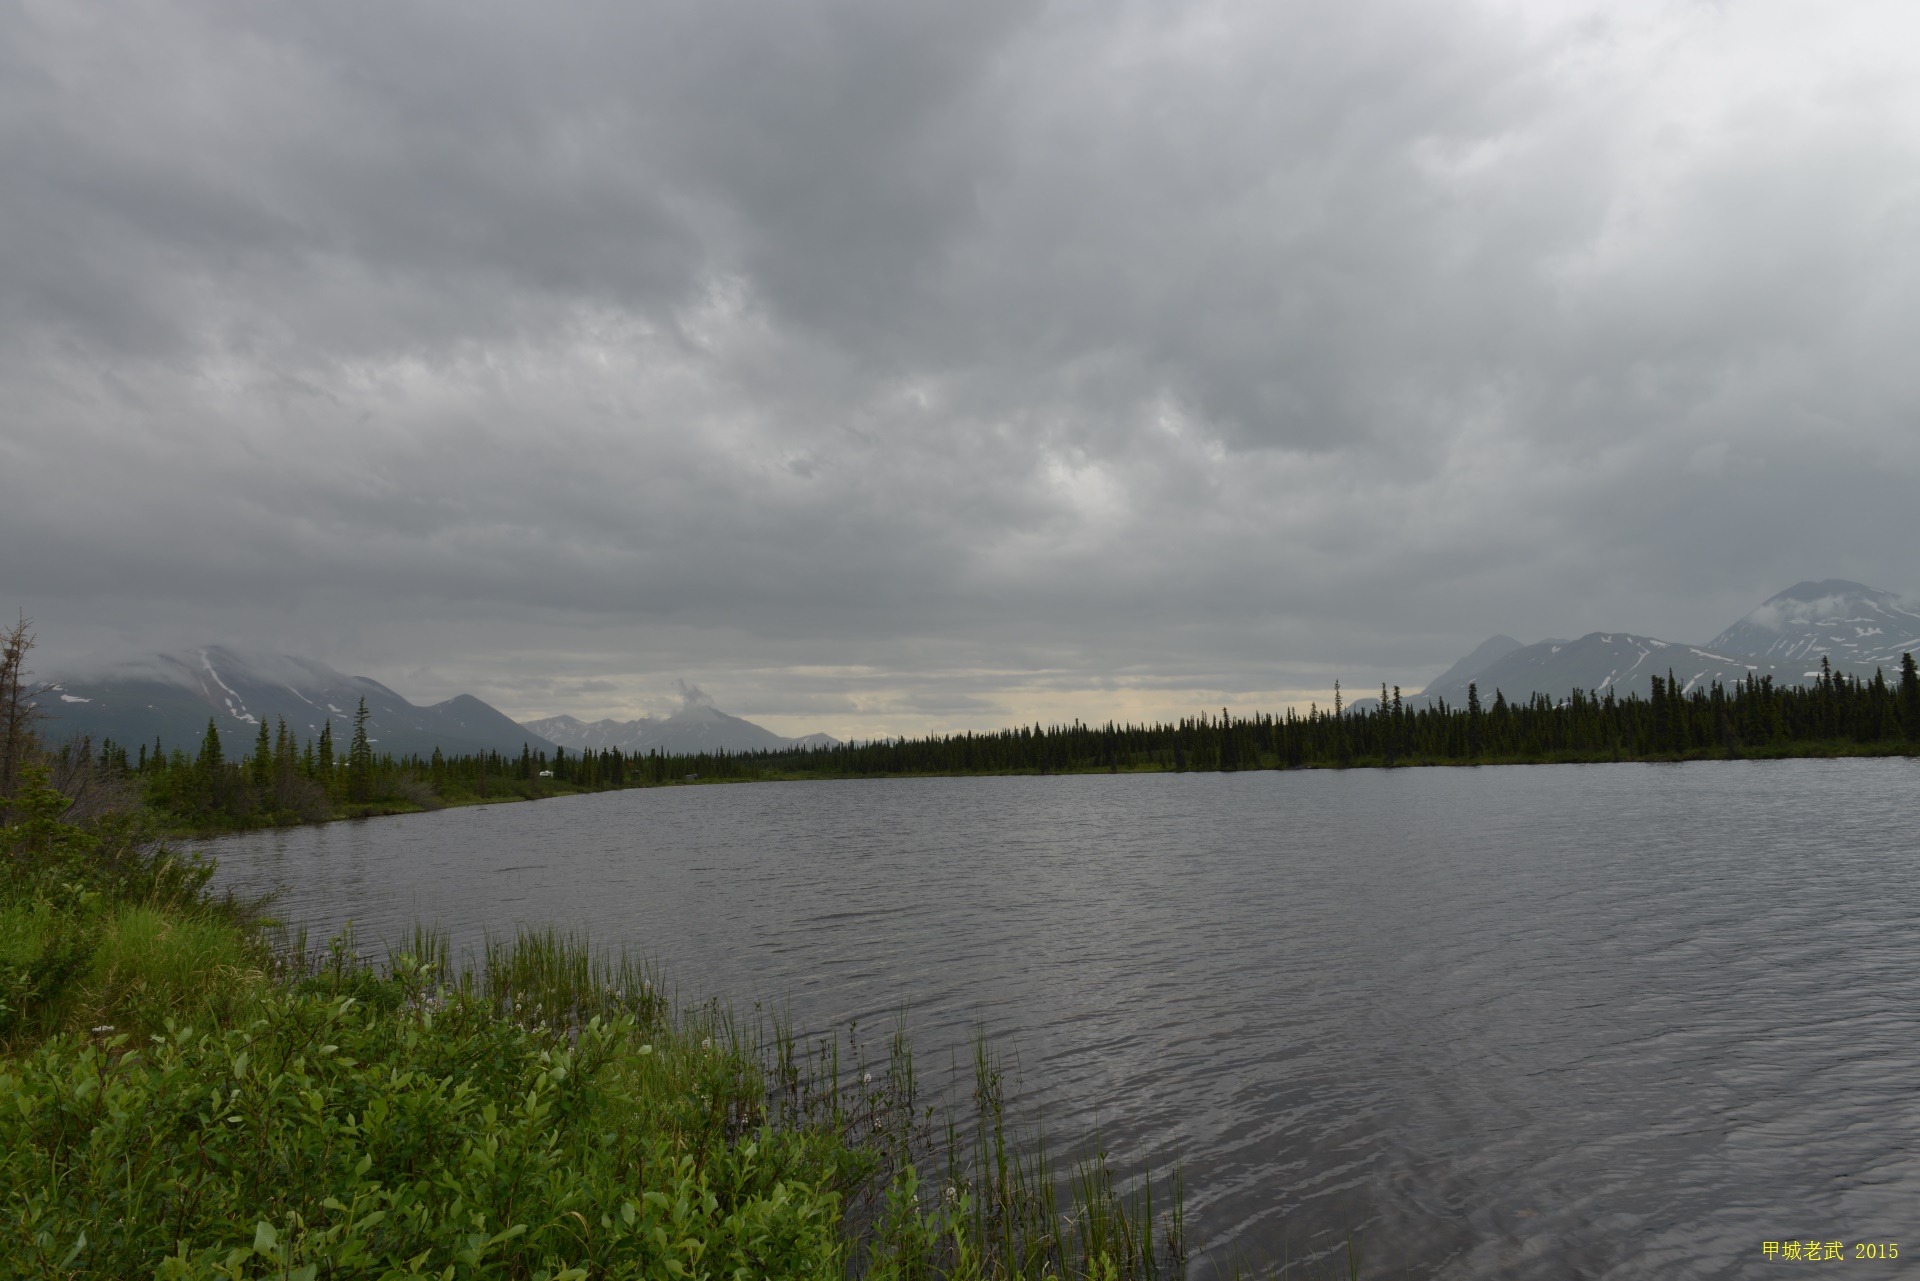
x=885, y=367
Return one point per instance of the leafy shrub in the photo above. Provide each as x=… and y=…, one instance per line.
x=329, y=1138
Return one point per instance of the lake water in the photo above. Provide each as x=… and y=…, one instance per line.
x=1567, y=1021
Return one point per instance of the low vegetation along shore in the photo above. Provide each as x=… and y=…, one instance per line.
x=185, y=1095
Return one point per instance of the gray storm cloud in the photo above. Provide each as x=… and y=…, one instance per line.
x=897, y=365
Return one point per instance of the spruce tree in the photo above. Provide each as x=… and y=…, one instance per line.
x=1909, y=698
x=1676, y=714
x=360, y=759
x=207, y=784
x=1475, y=718
x=1389, y=730
x=1658, y=700
x=260, y=768
x=212, y=758
x=324, y=761
x=286, y=764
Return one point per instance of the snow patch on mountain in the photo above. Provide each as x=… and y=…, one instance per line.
x=172, y=696
x=1858, y=629
x=1855, y=627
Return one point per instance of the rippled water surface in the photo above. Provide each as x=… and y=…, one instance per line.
x=1569, y=1021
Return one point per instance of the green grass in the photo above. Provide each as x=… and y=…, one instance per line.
x=131, y=966
x=152, y=967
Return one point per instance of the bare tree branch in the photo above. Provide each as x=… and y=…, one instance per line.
x=19, y=707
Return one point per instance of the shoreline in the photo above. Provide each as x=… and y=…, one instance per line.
x=1835, y=750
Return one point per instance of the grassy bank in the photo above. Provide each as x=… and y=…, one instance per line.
x=182, y=1098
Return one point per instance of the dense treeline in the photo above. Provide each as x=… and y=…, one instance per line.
x=285, y=781
x=1836, y=713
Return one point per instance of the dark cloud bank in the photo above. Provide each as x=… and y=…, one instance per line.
x=888, y=366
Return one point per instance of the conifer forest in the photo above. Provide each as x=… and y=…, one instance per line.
x=286, y=781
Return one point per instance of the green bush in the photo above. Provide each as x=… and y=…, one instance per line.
x=331, y=1138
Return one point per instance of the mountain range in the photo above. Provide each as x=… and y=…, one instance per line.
x=696, y=727
x=1858, y=629
x=171, y=696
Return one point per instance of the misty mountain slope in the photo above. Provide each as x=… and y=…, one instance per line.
x=1484, y=655
x=1858, y=628
x=1602, y=661
x=592, y=736
x=171, y=696
x=697, y=727
x=481, y=722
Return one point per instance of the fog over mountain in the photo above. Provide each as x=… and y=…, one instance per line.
x=1858, y=629
x=889, y=366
